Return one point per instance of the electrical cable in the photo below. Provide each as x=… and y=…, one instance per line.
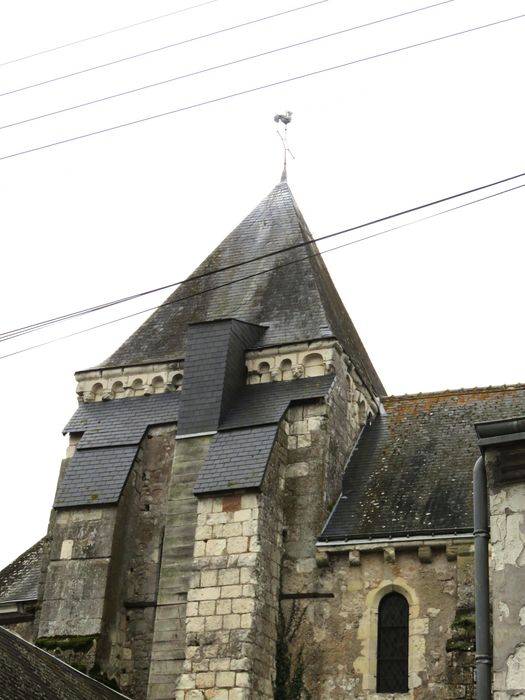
x=284, y=81
x=221, y=65
x=255, y=274
x=163, y=48
x=110, y=31
x=38, y=326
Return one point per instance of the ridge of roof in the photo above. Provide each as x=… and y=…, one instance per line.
x=297, y=302
x=455, y=392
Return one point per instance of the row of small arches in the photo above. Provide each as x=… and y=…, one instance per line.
x=137, y=386
x=313, y=365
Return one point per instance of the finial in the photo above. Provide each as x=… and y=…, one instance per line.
x=285, y=119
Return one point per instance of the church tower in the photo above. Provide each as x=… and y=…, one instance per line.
x=204, y=458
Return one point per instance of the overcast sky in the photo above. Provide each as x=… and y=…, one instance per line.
x=436, y=303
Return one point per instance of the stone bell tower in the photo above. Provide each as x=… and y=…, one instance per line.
x=204, y=457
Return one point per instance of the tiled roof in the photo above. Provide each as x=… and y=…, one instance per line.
x=239, y=453
x=29, y=673
x=258, y=404
x=105, y=453
x=95, y=476
x=411, y=472
x=214, y=372
x=122, y=421
x=236, y=459
x=19, y=580
x=297, y=302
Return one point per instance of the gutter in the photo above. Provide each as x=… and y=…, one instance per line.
x=490, y=434
x=481, y=582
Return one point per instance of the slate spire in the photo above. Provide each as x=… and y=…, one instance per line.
x=290, y=293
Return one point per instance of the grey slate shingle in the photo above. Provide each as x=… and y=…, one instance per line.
x=19, y=580
x=236, y=459
x=123, y=421
x=214, y=372
x=297, y=302
x=411, y=473
x=95, y=476
x=266, y=403
x=112, y=431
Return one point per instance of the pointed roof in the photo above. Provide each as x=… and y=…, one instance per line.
x=296, y=301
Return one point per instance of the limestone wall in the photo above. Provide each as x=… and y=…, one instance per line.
x=232, y=601
x=339, y=633
x=101, y=570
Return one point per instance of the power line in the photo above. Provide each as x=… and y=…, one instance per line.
x=223, y=65
x=17, y=332
x=222, y=98
x=163, y=48
x=257, y=274
x=111, y=31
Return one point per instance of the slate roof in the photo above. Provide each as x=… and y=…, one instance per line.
x=296, y=302
x=236, y=459
x=240, y=451
x=258, y=404
x=411, y=472
x=29, y=673
x=112, y=432
x=122, y=421
x=19, y=580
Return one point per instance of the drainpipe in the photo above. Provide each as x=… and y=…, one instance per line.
x=481, y=582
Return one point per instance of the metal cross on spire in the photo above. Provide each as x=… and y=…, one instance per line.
x=285, y=119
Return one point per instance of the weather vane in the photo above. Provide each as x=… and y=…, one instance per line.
x=285, y=119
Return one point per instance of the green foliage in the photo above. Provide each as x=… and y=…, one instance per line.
x=290, y=666
x=81, y=643
x=463, y=632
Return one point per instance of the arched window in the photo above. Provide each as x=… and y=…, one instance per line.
x=392, y=644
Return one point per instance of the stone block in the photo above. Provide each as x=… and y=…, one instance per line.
x=225, y=679
x=205, y=680
x=215, y=547
x=242, y=679
x=242, y=515
x=207, y=607
x=231, y=591
x=214, y=622
x=208, y=578
x=237, y=545
x=224, y=607
x=228, y=577
x=249, y=500
x=204, y=594
x=243, y=605
x=231, y=622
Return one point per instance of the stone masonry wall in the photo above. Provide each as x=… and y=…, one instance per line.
x=320, y=439
x=134, y=572
x=339, y=633
x=101, y=573
x=231, y=627
x=169, y=638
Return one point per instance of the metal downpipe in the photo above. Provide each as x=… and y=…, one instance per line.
x=481, y=582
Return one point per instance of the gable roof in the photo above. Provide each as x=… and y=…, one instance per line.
x=29, y=673
x=296, y=302
x=411, y=471
x=19, y=580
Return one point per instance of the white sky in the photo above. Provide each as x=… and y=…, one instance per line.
x=436, y=303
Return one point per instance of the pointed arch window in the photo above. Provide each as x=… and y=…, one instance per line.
x=392, y=644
